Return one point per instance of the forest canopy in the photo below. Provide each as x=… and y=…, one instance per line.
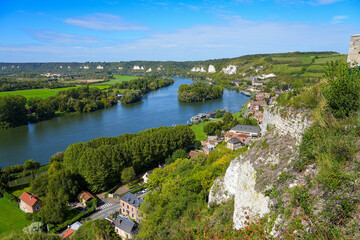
x=199, y=91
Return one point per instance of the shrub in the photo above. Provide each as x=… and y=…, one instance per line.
x=58, y=157
x=342, y=89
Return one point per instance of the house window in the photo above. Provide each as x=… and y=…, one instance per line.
x=132, y=215
x=123, y=204
x=127, y=206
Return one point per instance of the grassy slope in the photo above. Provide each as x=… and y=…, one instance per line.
x=11, y=218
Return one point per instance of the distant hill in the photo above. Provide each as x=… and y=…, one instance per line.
x=283, y=65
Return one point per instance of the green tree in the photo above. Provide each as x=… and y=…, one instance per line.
x=218, y=114
x=342, y=88
x=12, y=111
x=211, y=128
x=54, y=207
x=30, y=164
x=127, y=174
x=228, y=117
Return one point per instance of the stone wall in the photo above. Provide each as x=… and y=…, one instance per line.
x=354, y=50
x=286, y=121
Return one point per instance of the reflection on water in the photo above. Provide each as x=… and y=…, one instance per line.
x=160, y=108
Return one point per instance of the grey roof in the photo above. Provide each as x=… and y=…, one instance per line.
x=246, y=128
x=76, y=225
x=234, y=141
x=132, y=199
x=124, y=224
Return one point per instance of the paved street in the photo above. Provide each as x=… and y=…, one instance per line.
x=103, y=213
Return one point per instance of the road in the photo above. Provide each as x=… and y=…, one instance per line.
x=103, y=213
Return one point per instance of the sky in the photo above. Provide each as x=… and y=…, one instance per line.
x=162, y=30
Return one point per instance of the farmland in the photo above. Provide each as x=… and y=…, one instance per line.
x=11, y=218
x=43, y=93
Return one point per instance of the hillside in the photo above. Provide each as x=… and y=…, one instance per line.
x=303, y=64
x=299, y=181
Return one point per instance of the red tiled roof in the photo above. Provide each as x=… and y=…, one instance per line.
x=68, y=233
x=193, y=153
x=86, y=195
x=29, y=199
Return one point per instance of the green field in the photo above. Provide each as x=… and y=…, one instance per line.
x=327, y=58
x=43, y=93
x=304, y=59
x=118, y=79
x=312, y=74
x=284, y=68
x=11, y=218
x=316, y=68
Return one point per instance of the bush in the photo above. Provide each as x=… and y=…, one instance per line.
x=58, y=157
x=31, y=164
x=342, y=89
x=92, y=202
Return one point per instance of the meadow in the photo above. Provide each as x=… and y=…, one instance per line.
x=43, y=93
x=118, y=79
x=11, y=218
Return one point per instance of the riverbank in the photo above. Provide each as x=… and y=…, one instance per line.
x=41, y=140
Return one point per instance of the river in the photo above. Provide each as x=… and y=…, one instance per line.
x=160, y=108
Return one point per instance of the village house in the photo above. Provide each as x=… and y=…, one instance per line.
x=129, y=206
x=29, y=203
x=193, y=154
x=85, y=196
x=71, y=230
x=262, y=96
x=256, y=83
x=252, y=131
x=125, y=228
x=256, y=104
x=242, y=137
x=234, y=143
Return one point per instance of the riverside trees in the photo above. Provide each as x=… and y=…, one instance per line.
x=101, y=161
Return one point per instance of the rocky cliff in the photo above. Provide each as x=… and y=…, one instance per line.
x=250, y=177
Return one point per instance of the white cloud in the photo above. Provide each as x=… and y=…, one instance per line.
x=61, y=38
x=103, y=21
x=338, y=19
x=231, y=39
x=311, y=2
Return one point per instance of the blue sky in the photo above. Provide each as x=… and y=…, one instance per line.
x=117, y=30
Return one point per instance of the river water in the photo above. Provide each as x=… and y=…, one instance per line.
x=160, y=108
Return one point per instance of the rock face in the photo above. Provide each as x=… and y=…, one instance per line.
x=250, y=204
x=239, y=181
x=295, y=124
x=250, y=175
x=211, y=69
x=198, y=69
x=231, y=69
x=354, y=50
x=264, y=76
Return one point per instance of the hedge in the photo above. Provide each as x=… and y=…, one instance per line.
x=76, y=218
